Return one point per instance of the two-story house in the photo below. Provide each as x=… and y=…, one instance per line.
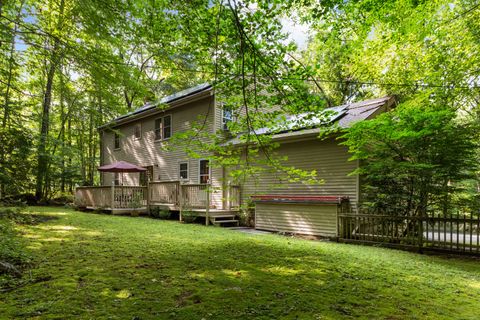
x=178, y=181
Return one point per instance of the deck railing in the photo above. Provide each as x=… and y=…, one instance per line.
x=195, y=195
x=130, y=197
x=173, y=193
x=93, y=197
x=435, y=231
x=232, y=197
x=164, y=192
x=112, y=197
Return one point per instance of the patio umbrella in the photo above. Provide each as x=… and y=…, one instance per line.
x=121, y=166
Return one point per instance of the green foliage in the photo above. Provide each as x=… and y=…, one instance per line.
x=12, y=246
x=15, y=160
x=247, y=217
x=69, y=66
x=413, y=158
x=160, y=213
x=188, y=216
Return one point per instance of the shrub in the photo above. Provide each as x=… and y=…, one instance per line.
x=414, y=158
x=188, y=216
x=247, y=217
x=13, y=253
x=160, y=213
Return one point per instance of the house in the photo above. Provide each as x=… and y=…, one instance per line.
x=178, y=181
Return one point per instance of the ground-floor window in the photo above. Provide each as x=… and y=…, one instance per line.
x=116, y=179
x=183, y=170
x=204, y=175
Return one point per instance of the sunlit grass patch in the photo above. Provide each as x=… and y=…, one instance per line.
x=100, y=266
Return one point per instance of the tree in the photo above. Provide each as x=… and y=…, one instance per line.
x=414, y=158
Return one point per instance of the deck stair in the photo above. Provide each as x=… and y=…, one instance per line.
x=223, y=219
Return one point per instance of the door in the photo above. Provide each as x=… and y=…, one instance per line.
x=146, y=175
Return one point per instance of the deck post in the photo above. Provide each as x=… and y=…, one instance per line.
x=180, y=200
x=112, y=205
x=207, y=209
x=148, y=195
x=229, y=195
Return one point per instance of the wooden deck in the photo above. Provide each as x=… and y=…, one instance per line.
x=196, y=199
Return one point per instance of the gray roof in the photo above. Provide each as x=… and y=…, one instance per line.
x=306, y=124
x=165, y=100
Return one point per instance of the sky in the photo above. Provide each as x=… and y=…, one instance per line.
x=297, y=32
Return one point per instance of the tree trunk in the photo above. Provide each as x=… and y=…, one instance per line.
x=62, y=133
x=42, y=158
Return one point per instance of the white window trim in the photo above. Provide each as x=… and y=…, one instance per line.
x=209, y=171
x=134, y=136
x=188, y=170
x=161, y=127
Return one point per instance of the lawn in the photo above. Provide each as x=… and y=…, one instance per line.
x=92, y=266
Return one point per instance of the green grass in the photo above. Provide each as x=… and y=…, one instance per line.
x=91, y=266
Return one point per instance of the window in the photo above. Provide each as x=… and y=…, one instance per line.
x=116, y=179
x=158, y=129
x=137, y=131
x=163, y=128
x=183, y=170
x=117, y=140
x=227, y=117
x=204, y=175
x=167, y=127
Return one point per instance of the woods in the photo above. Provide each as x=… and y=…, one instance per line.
x=69, y=66
x=353, y=121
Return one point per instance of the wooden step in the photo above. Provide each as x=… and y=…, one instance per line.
x=222, y=216
x=218, y=222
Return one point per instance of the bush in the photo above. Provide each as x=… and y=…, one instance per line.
x=15, y=215
x=13, y=253
x=247, y=217
x=160, y=213
x=12, y=249
x=188, y=216
x=61, y=199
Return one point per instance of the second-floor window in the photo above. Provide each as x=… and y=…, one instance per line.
x=137, y=131
x=163, y=127
x=183, y=170
x=116, y=140
x=227, y=117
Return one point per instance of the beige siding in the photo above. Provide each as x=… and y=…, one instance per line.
x=326, y=157
x=319, y=220
x=148, y=152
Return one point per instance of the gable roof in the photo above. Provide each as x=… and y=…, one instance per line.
x=308, y=125
x=150, y=107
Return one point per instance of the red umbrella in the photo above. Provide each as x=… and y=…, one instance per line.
x=121, y=166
